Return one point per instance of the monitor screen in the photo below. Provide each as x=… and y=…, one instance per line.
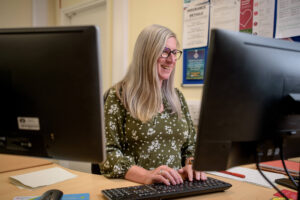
x=247, y=81
x=51, y=98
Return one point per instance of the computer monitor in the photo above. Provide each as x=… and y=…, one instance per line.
x=51, y=102
x=250, y=100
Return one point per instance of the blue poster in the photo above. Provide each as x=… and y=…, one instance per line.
x=195, y=64
x=194, y=61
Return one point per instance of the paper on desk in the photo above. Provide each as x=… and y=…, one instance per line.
x=43, y=177
x=252, y=176
x=25, y=198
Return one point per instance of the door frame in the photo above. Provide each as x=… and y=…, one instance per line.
x=67, y=13
x=119, y=45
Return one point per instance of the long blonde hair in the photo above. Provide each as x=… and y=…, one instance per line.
x=140, y=90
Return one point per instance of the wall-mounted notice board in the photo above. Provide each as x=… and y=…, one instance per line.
x=266, y=18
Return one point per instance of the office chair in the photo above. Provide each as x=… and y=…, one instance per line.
x=95, y=169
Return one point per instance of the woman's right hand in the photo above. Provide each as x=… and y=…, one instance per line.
x=164, y=174
x=161, y=174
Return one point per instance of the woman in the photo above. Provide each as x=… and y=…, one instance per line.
x=148, y=126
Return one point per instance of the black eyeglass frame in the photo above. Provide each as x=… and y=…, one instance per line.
x=174, y=52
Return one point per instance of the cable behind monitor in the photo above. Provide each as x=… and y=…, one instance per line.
x=259, y=154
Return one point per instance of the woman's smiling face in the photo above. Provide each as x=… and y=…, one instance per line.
x=165, y=66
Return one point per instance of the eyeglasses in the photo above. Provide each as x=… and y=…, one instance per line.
x=167, y=52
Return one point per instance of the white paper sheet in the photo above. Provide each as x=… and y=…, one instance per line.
x=225, y=14
x=195, y=24
x=43, y=177
x=263, y=18
x=252, y=176
x=288, y=15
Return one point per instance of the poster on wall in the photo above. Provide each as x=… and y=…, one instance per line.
x=195, y=23
x=246, y=16
x=195, y=39
x=225, y=14
x=194, y=62
x=288, y=15
x=263, y=18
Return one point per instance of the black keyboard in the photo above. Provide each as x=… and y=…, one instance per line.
x=161, y=191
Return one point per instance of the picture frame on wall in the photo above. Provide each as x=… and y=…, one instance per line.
x=194, y=62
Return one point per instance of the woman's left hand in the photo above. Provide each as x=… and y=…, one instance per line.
x=187, y=172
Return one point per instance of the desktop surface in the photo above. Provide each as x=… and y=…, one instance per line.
x=15, y=162
x=94, y=184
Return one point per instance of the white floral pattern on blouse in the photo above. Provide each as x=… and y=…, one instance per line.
x=164, y=140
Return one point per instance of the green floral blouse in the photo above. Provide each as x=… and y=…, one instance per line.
x=164, y=140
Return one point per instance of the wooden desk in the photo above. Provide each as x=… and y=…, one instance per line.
x=13, y=162
x=93, y=184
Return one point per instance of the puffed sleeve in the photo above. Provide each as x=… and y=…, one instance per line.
x=188, y=148
x=117, y=164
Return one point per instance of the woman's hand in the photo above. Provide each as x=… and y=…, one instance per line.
x=187, y=172
x=166, y=175
x=162, y=174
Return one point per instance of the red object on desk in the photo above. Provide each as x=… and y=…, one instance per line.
x=234, y=174
x=290, y=194
x=276, y=166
